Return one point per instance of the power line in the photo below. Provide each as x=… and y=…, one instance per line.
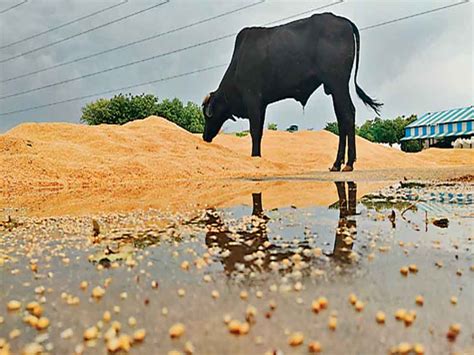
x=118, y=89
x=13, y=7
x=161, y=34
x=206, y=69
x=64, y=24
x=62, y=82
x=414, y=15
x=86, y=31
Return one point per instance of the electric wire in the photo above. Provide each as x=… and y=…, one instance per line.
x=142, y=40
x=84, y=32
x=64, y=24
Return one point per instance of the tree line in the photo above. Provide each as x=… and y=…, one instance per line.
x=380, y=130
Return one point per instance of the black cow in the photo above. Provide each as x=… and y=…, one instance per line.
x=290, y=61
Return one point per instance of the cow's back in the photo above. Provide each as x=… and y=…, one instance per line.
x=292, y=60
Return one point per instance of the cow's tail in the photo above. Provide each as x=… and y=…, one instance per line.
x=363, y=96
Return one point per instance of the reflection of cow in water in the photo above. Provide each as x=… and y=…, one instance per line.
x=346, y=227
x=249, y=248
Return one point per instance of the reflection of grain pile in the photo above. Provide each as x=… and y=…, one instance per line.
x=58, y=154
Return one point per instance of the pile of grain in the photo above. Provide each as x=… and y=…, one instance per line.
x=61, y=155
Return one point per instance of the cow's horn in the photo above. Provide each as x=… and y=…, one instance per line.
x=206, y=99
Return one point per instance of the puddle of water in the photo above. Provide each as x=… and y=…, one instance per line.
x=289, y=256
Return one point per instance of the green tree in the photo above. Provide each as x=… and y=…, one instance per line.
x=121, y=109
x=272, y=126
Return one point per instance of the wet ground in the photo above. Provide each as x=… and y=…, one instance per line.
x=248, y=279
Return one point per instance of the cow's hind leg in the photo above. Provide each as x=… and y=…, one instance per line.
x=345, y=113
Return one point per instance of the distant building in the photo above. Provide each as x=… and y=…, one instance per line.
x=442, y=128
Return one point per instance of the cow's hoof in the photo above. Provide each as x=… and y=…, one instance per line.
x=335, y=168
x=348, y=168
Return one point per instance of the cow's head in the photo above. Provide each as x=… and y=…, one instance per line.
x=216, y=111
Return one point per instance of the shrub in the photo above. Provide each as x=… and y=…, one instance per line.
x=272, y=126
x=242, y=134
x=411, y=146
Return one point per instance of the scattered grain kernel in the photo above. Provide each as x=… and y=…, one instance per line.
x=419, y=300
x=14, y=305
x=185, y=265
x=359, y=306
x=352, y=299
x=15, y=333
x=314, y=347
x=404, y=348
x=181, y=292
x=380, y=317
x=154, y=284
x=455, y=328
x=67, y=333
x=413, y=268
x=234, y=326
x=400, y=314
x=83, y=285
x=459, y=272
x=123, y=295
x=454, y=300
x=139, y=335
x=125, y=342
x=43, y=323
x=91, y=333
x=409, y=319
x=106, y=316
x=404, y=270
x=315, y=306
x=176, y=330
x=132, y=321
x=189, y=348
x=323, y=302
x=98, y=292
x=419, y=349
x=215, y=294
x=296, y=339
x=244, y=295
x=332, y=323
x=244, y=328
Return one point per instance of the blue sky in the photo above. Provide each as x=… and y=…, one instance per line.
x=414, y=66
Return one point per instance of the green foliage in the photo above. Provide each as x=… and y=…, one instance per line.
x=412, y=146
x=272, y=126
x=242, y=134
x=121, y=109
x=379, y=130
x=332, y=127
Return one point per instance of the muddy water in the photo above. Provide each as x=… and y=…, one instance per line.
x=200, y=267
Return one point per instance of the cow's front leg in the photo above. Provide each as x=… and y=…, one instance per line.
x=257, y=118
x=256, y=132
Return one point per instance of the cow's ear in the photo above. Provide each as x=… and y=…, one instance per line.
x=208, y=109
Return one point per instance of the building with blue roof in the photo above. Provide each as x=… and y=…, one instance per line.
x=443, y=127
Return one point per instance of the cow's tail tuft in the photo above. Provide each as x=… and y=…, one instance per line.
x=362, y=95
